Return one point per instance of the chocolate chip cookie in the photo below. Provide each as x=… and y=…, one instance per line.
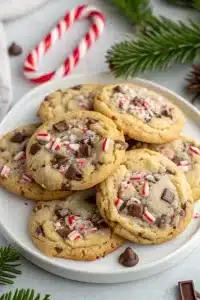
x=75, y=153
x=147, y=200
x=13, y=173
x=185, y=153
x=72, y=229
x=142, y=114
x=79, y=97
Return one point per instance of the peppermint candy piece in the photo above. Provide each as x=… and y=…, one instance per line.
x=184, y=165
x=20, y=155
x=118, y=203
x=26, y=178
x=74, y=147
x=5, y=171
x=56, y=145
x=90, y=230
x=124, y=104
x=106, y=144
x=74, y=235
x=145, y=189
x=136, y=176
x=50, y=144
x=43, y=136
x=148, y=217
x=194, y=150
x=196, y=216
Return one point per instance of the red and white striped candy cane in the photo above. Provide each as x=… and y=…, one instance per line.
x=78, y=13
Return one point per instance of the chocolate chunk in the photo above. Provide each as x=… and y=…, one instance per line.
x=135, y=210
x=63, y=232
x=61, y=126
x=35, y=148
x=65, y=186
x=40, y=231
x=167, y=196
x=18, y=138
x=120, y=145
x=177, y=159
x=162, y=221
x=128, y=258
x=59, y=160
x=58, y=250
x=85, y=150
x=14, y=49
x=77, y=87
x=61, y=212
x=117, y=89
x=91, y=199
x=73, y=174
x=167, y=112
x=187, y=290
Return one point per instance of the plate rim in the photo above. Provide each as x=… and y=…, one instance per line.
x=40, y=256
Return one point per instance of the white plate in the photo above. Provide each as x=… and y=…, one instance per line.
x=14, y=213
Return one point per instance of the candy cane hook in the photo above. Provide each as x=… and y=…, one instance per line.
x=78, y=13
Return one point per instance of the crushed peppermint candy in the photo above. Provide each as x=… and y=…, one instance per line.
x=74, y=147
x=43, y=136
x=147, y=216
x=118, y=203
x=5, y=171
x=74, y=235
x=145, y=189
x=20, y=155
x=26, y=178
x=56, y=145
x=136, y=176
x=184, y=165
x=106, y=144
x=194, y=150
x=196, y=216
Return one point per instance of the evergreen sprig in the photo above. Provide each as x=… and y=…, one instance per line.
x=23, y=295
x=138, y=11
x=9, y=261
x=163, y=43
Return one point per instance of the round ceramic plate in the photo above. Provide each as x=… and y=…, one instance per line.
x=15, y=211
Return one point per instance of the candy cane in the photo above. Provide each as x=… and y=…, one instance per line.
x=80, y=12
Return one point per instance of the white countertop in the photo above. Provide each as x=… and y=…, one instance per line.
x=27, y=32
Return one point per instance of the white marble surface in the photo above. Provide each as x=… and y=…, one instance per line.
x=27, y=32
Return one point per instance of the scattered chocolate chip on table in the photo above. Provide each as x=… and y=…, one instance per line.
x=14, y=49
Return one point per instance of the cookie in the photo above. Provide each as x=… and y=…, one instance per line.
x=142, y=114
x=79, y=97
x=75, y=153
x=185, y=153
x=72, y=229
x=13, y=174
x=147, y=200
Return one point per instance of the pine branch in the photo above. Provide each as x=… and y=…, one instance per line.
x=23, y=295
x=196, y=4
x=9, y=258
x=186, y=3
x=138, y=11
x=163, y=43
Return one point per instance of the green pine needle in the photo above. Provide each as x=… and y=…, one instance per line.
x=9, y=261
x=196, y=4
x=163, y=43
x=23, y=295
x=139, y=11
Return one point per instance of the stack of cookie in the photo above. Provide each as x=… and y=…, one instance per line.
x=93, y=191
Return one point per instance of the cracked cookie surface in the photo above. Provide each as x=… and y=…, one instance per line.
x=142, y=114
x=147, y=200
x=56, y=104
x=73, y=228
x=13, y=172
x=75, y=153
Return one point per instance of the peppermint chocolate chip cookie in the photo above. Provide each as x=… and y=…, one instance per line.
x=72, y=229
x=75, y=153
x=79, y=97
x=147, y=200
x=142, y=114
x=185, y=153
x=13, y=173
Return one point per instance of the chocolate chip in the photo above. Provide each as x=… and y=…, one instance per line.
x=61, y=126
x=167, y=112
x=63, y=232
x=117, y=89
x=73, y=174
x=135, y=210
x=120, y=145
x=40, y=231
x=128, y=258
x=167, y=196
x=162, y=221
x=77, y=87
x=35, y=148
x=61, y=213
x=38, y=207
x=91, y=199
x=58, y=250
x=18, y=138
x=14, y=49
x=84, y=150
